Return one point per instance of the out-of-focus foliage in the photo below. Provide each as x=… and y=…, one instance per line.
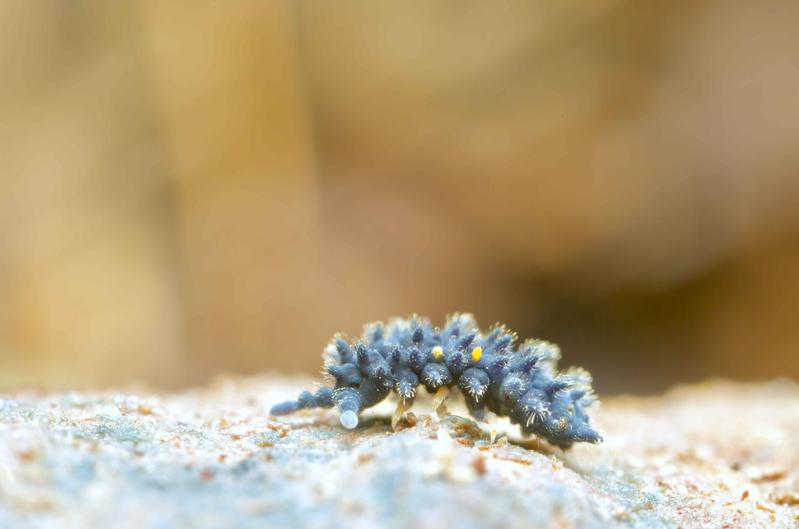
x=198, y=188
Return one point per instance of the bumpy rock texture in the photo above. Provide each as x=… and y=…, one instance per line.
x=711, y=456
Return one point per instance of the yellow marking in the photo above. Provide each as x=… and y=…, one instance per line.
x=438, y=352
x=477, y=353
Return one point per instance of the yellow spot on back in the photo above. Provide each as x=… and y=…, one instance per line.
x=477, y=354
x=438, y=352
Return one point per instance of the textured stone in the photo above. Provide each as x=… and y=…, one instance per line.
x=709, y=456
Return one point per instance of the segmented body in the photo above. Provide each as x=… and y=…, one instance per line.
x=493, y=373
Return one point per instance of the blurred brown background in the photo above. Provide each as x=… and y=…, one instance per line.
x=218, y=187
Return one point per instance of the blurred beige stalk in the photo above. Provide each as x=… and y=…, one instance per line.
x=237, y=129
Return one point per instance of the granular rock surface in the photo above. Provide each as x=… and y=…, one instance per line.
x=716, y=455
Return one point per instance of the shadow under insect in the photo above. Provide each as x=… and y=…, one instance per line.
x=492, y=372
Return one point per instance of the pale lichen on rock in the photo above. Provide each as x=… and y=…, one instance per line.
x=214, y=458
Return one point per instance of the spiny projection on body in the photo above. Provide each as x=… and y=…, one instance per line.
x=494, y=374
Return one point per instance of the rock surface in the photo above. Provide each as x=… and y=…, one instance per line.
x=716, y=455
